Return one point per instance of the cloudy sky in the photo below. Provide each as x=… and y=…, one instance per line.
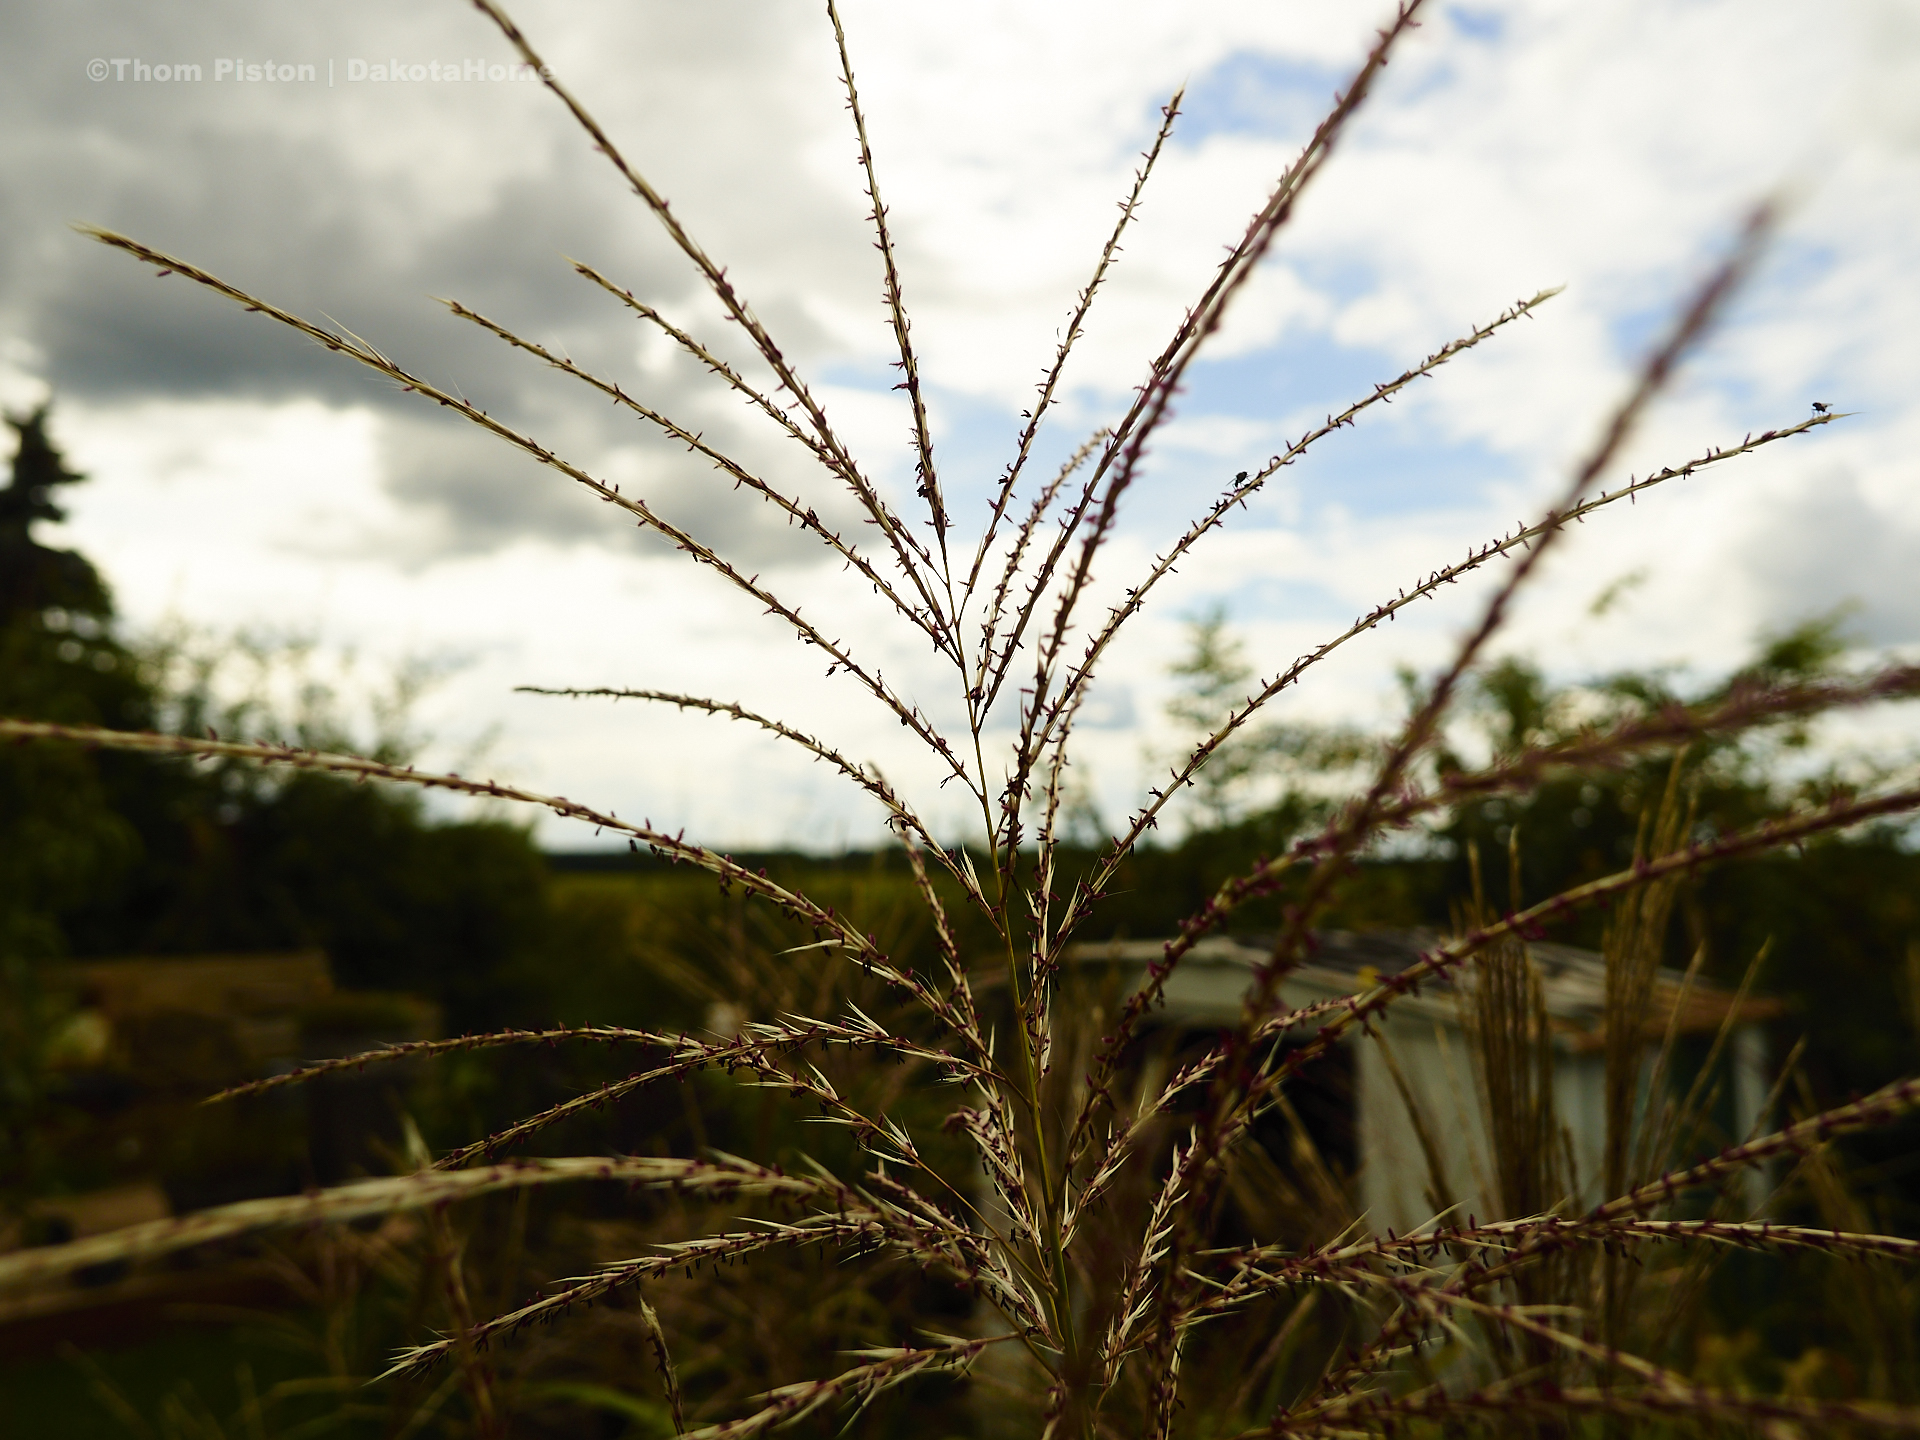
x=242, y=477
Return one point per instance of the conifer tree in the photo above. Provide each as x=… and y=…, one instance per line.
x=34, y=577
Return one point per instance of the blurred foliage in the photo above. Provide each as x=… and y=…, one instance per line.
x=62, y=837
x=110, y=854
x=60, y=831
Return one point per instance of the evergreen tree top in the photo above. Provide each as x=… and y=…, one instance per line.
x=36, y=577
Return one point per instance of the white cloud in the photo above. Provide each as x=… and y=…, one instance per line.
x=1610, y=147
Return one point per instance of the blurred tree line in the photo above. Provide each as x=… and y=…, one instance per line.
x=116, y=854
x=121, y=854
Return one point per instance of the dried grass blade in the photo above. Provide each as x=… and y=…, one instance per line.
x=754, y=1056
x=1121, y=458
x=860, y=1227
x=898, y=812
x=1761, y=1235
x=804, y=516
x=672, y=847
x=929, y=482
x=981, y=694
x=1125, y=451
x=908, y=714
x=858, y=1385
x=906, y=548
x=1076, y=322
x=1882, y=1107
x=663, y=1362
x=427, y=1049
x=362, y=1198
x=1574, y=753
x=1243, y=489
x=1341, y=1014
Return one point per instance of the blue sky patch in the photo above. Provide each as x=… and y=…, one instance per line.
x=1477, y=24
x=1250, y=93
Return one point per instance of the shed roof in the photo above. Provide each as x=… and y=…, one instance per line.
x=1573, y=980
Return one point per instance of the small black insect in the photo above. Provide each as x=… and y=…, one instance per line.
x=1241, y=476
x=1820, y=407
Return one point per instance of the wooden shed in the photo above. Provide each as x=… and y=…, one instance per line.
x=1426, y=1038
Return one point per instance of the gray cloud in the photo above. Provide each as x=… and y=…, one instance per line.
x=359, y=204
x=473, y=493
x=1832, y=549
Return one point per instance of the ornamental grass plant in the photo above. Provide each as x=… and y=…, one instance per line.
x=1128, y=1259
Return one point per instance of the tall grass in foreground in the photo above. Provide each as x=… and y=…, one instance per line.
x=1092, y=1238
